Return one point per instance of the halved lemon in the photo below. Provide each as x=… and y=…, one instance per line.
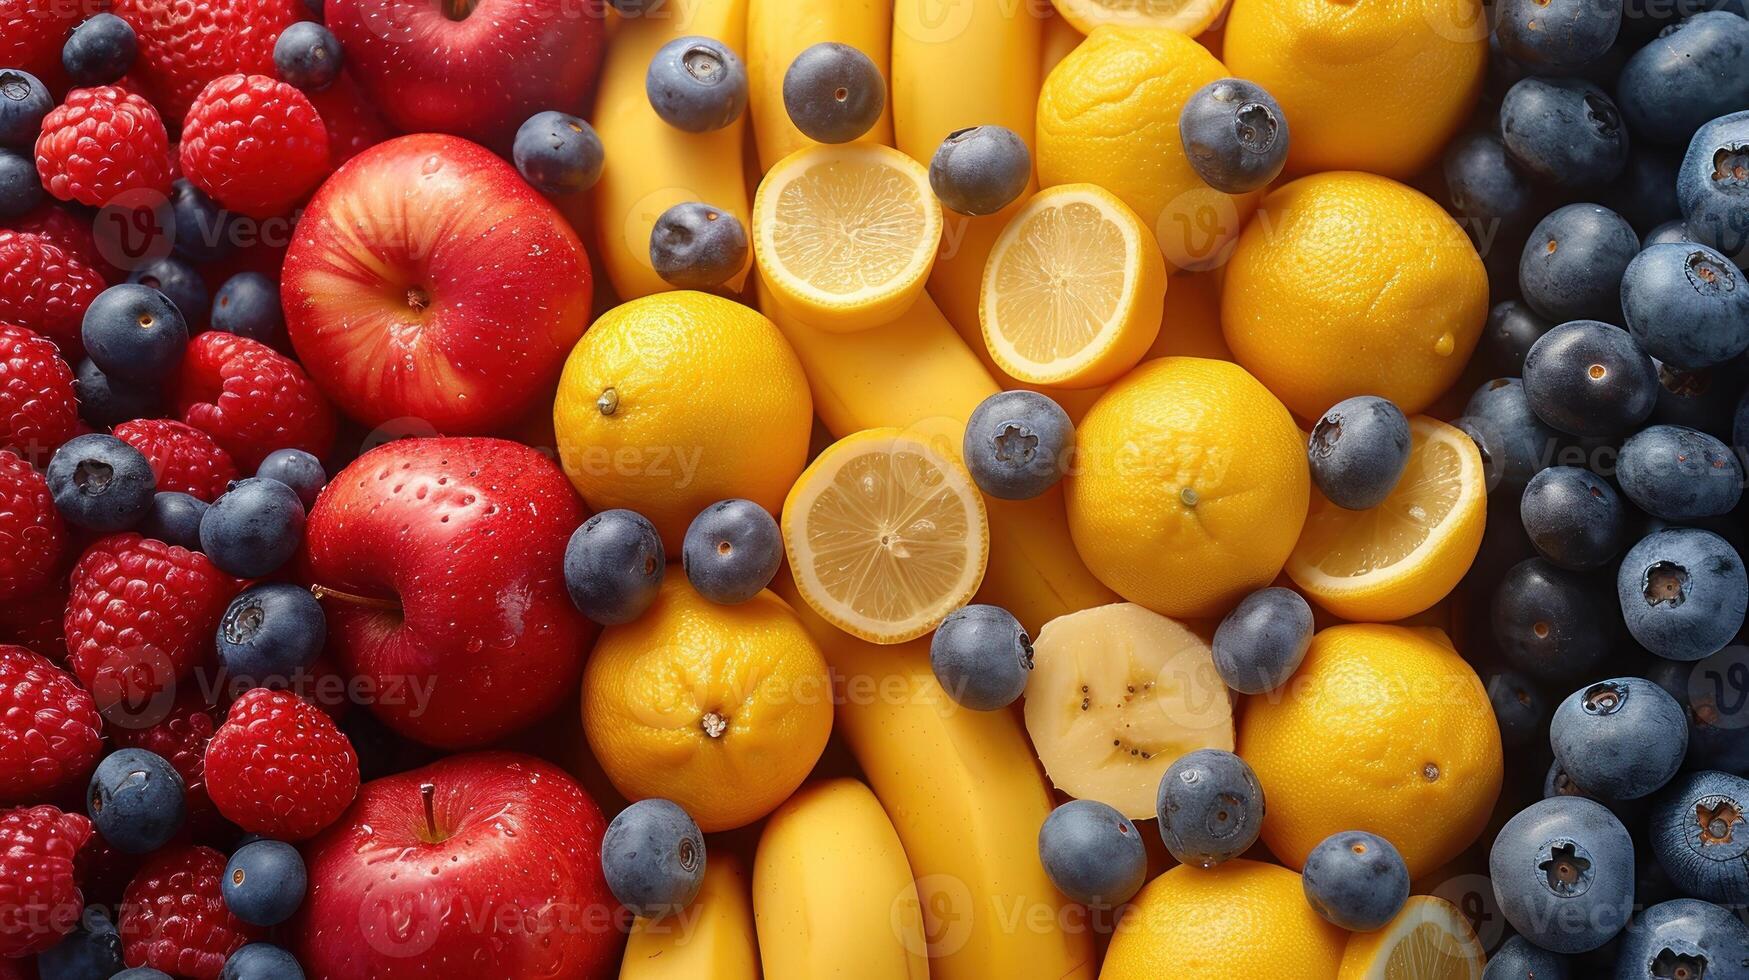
x=1073, y=290
x=1409, y=552
x=1428, y=940
x=886, y=534
x=846, y=235
x=1189, y=17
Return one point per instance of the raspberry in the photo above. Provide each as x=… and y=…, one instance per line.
x=35, y=621
x=38, y=410
x=184, y=45
x=70, y=232
x=254, y=144
x=18, y=969
x=101, y=143
x=173, y=915
x=39, y=892
x=183, y=457
x=43, y=288
x=279, y=767
x=32, y=33
x=251, y=399
x=180, y=736
x=32, y=534
x=141, y=614
x=49, y=729
x=353, y=124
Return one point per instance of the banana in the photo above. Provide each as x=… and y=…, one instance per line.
x=651, y=166
x=777, y=31
x=1115, y=696
x=914, y=370
x=832, y=893
x=712, y=937
x=967, y=802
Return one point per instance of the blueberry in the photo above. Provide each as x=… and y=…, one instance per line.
x=1551, y=623
x=1683, y=592
x=980, y=170
x=1557, y=36
x=297, y=469
x=24, y=101
x=1667, y=233
x=1563, y=872
x=1520, y=959
x=261, y=961
x=1690, y=73
x=1621, y=739
x=833, y=93
x=1644, y=19
x=264, y=882
x=1234, y=134
x=1713, y=186
x=981, y=656
x=135, y=333
x=1519, y=707
x=698, y=246
x=1686, y=304
x=101, y=483
x=1564, y=131
x=20, y=188
x=1573, y=517
x=1262, y=641
x=174, y=518
x=1093, y=854
x=177, y=279
x=696, y=84
x=90, y=952
x=254, y=528
x=1714, y=693
x=248, y=306
x=204, y=232
x=100, y=50
x=1573, y=261
x=558, y=153
x=1589, y=378
x=1683, y=938
x=1356, y=880
x=1017, y=444
x=106, y=402
x=142, y=973
x=135, y=800
x=1487, y=191
x=1516, y=443
x=1358, y=451
x=1698, y=834
x=731, y=551
x=307, y=56
x=274, y=630
x=1209, y=807
x=614, y=565
x=1645, y=194
x=1678, y=473
x=653, y=857
x=1705, y=399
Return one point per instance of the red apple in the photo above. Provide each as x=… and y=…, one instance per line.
x=428, y=280
x=476, y=867
x=440, y=563
x=476, y=68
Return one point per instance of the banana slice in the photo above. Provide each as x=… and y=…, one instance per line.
x=1117, y=693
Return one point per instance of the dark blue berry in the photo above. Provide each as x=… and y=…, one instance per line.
x=1678, y=473
x=833, y=93
x=1714, y=693
x=1683, y=592
x=105, y=402
x=696, y=84
x=142, y=973
x=177, y=279
x=1667, y=233
x=1713, y=186
x=254, y=528
x=248, y=306
x=1690, y=73
x=1487, y=191
x=135, y=800
x=731, y=551
x=1260, y=644
x=1094, y=854
x=100, y=50
x=1698, y=834
x=1017, y=444
x=1356, y=880
x=1686, y=304
x=174, y=518
x=1573, y=261
x=614, y=565
x=261, y=961
x=101, y=483
x=1645, y=194
x=264, y=882
x=1551, y=623
x=1557, y=36
x=1683, y=937
x=20, y=188
x=90, y=952
x=1563, y=874
x=1519, y=707
x=1234, y=134
x=1516, y=444
x=1574, y=517
x=1209, y=807
x=698, y=246
x=1589, y=378
x=297, y=469
x=982, y=657
x=1621, y=739
x=272, y=631
x=307, y=56
x=1358, y=451
x=135, y=333
x=24, y=101
x=1564, y=131
x=204, y=231
x=1520, y=959
x=653, y=856
x=1704, y=399
x=980, y=170
x=558, y=153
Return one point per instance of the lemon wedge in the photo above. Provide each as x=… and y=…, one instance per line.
x=1428, y=940
x=1189, y=17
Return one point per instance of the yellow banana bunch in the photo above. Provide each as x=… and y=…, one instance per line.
x=712, y=937
x=777, y=31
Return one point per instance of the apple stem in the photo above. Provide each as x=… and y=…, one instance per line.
x=429, y=792
x=324, y=592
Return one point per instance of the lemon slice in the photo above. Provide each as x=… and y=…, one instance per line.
x=1073, y=289
x=1429, y=940
x=1406, y=554
x=846, y=235
x=1189, y=17
x=886, y=535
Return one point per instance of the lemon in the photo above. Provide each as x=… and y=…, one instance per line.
x=1189, y=487
x=722, y=709
x=1189, y=17
x=886, y=534
x=1428, y=940
x=846, y=235
x=1406, y=554
x=1108, y=115
x=1073, y=289
x=1383, y=729
x=673, y=402
x=1349, y=284
x=1376, y=85
x=1237, y=919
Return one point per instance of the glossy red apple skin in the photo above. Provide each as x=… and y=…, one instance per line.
x=427, y=280
x=434, y=69
x=511, y=888
x=467, y=537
